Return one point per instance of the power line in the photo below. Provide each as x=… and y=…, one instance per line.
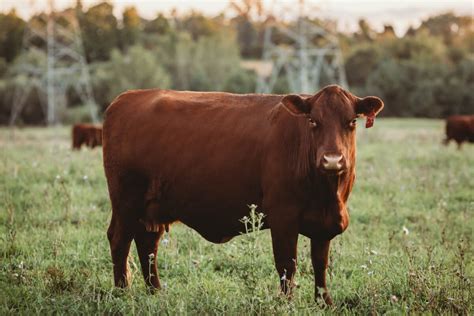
x=58, y=37
x=310, y=52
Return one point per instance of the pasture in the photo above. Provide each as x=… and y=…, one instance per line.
x=408, y=248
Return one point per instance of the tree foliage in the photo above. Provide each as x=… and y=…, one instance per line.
x=138, y=69
x=131, y=27
x=11, y=33
x=417, y=75
x=428, y=72
x=100, y=31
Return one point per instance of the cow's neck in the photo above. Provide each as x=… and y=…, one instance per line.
x=328, y=192
x=329, y=205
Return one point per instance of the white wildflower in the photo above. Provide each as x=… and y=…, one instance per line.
x=393, y=298
x=405, y=230
x=85, y=178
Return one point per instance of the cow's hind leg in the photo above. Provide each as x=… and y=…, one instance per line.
x=147, y=247
x=127, y=196
x=120, y=236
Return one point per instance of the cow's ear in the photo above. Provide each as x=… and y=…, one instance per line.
x=369, y=107
x=296, y=105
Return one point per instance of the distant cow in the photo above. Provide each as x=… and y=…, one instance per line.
x=202, y=157
x=460, y=128
x=86, y=134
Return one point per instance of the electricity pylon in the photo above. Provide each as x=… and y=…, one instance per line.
x=58, y=37
x=310, y=52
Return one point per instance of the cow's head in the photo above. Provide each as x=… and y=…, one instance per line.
x=331, y=116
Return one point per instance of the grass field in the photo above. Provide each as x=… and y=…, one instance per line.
x=408, y=248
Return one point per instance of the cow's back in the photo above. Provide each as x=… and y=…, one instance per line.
x=460, y=128
x=168, y=124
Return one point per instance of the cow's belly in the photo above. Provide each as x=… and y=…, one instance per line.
x=214, y=230
x=215, y=225
x=213, y=208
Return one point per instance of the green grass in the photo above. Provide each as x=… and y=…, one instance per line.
x=54, y=254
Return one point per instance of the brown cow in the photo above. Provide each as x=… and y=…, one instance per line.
x=86, y=134
x=201, y=157
x=460, y=128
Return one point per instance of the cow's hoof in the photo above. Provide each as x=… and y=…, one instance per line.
x=153, y=290
x=324, y=300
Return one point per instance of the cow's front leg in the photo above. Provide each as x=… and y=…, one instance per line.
x=319, y=257
x=284, y=239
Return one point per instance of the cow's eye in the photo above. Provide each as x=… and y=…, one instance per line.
x=312, y=123
x=353, y=123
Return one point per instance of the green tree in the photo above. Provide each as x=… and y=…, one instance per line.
x=365, y=33
x=213, y=66
x=448, y=26
x=100, y=32
x=159, y=25
x=198, y=25
x=454, y=93
x=247, y=37
x=138, y=69
x=131, y=28
x=11, y=35
x=247, y=12
x=361, y=62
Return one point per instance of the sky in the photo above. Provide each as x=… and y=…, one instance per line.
x=399, y=13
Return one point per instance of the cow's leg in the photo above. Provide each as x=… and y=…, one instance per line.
x=90, y=140
x=319, y=257
x=284, y=239
x=120, y=236
x=81, y=142
x=127, y=197
x=147, y=246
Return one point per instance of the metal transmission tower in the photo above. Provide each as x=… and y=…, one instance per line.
x=57, y=36
x=309, y=56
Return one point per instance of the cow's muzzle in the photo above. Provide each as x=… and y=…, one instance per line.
x=332, y=163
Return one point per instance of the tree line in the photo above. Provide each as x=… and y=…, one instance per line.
x=427, y=72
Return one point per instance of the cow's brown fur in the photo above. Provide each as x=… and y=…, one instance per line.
x=202, y=157
x=460, y=128
x=86, y=134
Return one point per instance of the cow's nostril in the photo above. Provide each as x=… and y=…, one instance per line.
x=332, y=162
